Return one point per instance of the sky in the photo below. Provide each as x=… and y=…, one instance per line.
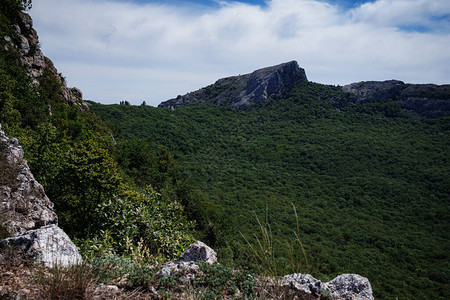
x=154, y=50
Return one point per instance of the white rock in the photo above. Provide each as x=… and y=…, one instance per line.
x=349, y=287
x=302, y=282
x=199, y=251
x=49, y=245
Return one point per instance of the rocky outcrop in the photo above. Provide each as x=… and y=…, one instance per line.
x=26, y=43
x=244, y=91
x=199, y=251
x=426, y=100
x=24, y=204
x=27, y=218
x=49, y=245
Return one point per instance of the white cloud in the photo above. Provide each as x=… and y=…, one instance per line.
x=120, y=51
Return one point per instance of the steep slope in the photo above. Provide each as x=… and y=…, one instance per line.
x=244, y=91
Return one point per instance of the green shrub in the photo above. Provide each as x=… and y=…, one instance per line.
x=217, y=280
x=113, y=268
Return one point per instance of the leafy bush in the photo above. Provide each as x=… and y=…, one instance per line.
x=222, y=280
x=147, y=217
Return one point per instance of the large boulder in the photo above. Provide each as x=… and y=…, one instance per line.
x=49, y=245
x=343, y=287
x=349, y=287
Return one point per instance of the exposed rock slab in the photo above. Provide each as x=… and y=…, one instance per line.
x=199, y=251
x=49, y=245
x=27, y=213
x=244, y=91
x=22, y=198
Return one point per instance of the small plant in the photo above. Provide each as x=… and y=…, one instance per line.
x=218, y=280
x=297, y=265
x=60, y=283
x=112, y=269
x=264, y=251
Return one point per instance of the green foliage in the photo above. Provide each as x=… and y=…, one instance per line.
x=110, y=269
x=10, y=8
x=148, y=217
x=369, y=183
x=222, y=280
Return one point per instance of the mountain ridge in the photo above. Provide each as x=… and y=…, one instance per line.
x=244, y=91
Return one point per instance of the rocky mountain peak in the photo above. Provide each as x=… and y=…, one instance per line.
x=244, y=91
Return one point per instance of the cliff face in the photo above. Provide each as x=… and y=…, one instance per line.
x=244, y=91
x=26, y=43
x=426, y=100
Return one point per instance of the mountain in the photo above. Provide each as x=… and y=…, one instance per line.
x=244, y=91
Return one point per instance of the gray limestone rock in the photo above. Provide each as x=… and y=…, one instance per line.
x=35, y=63
x=199, y=251
x=371, y=91
x=349, y=287
x=171, y=268
x=27, y=213
x=22, y=199
x=302, y=282
x=26, y=21
x=49, y=245
x=244, y=91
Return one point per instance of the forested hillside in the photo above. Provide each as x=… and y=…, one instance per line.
x=369, y=183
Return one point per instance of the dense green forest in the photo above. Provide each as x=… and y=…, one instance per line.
x=370, y=184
